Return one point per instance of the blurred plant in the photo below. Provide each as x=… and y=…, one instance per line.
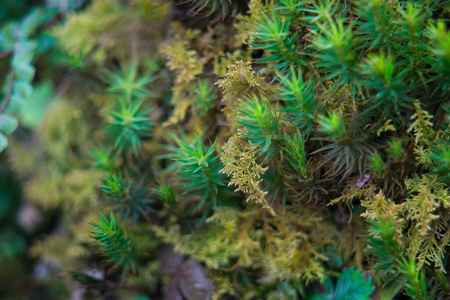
x=128, y=124
x=204, y=97
x=128, y=83
x=226, y=7
x=126, y=199
x=166, y=193
x=15, y=40
x=351, y=284
x=103, y=158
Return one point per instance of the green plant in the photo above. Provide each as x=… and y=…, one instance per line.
x=273, y=35
x=441, y=162
x=128, y=84
x=301, y=106
x=114, y=186
x=348, y=148
x=199, y=169
x=391, y=94
x=204, y=97
x=15, y=41
x=261, y=124
x=351, y=284
x=320, y=115
x=296, y=155
x=332, y=125
x=395, y=149
x=336, y=55
x=114, y=245
x=376, y=163
x=128, y=125
x=126, y=199
x=392, y=262
x=166, y=193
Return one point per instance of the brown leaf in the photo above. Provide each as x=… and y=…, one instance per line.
x=193, y=283
x=172, y=292
x=169, y=260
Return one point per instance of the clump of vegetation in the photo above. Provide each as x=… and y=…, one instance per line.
x=286, y=149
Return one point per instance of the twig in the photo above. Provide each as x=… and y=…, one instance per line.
x=439, y=234
x=8, y=96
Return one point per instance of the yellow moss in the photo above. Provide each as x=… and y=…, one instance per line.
x=23, y=160
x=380, y=208
x=180, y=58
x=65, y=134
x=352, y=193
x=222, y=63
x=152, y=10
x=427, y=208
x=187, y=64
x=240, y=82
x=387, y=126
x=283, y=248
x=352, y=243
x=61, y=251
x=83, y=35
x=107, y=29
x=75, y=190
x=422, y=126
x=246, y=23
x=239, y=159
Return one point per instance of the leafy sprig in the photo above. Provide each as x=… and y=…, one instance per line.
x=128, y=83
x=128, y=125
x=117, y=248
x=199, y=168
x=261, y=123
x=204, y=97
x=300, y=103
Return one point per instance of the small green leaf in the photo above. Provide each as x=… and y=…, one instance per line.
x=3, y=142
x=16, y=104
x=23, y=88
x=37, y=104
x=24, y=72
x=7, y=124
